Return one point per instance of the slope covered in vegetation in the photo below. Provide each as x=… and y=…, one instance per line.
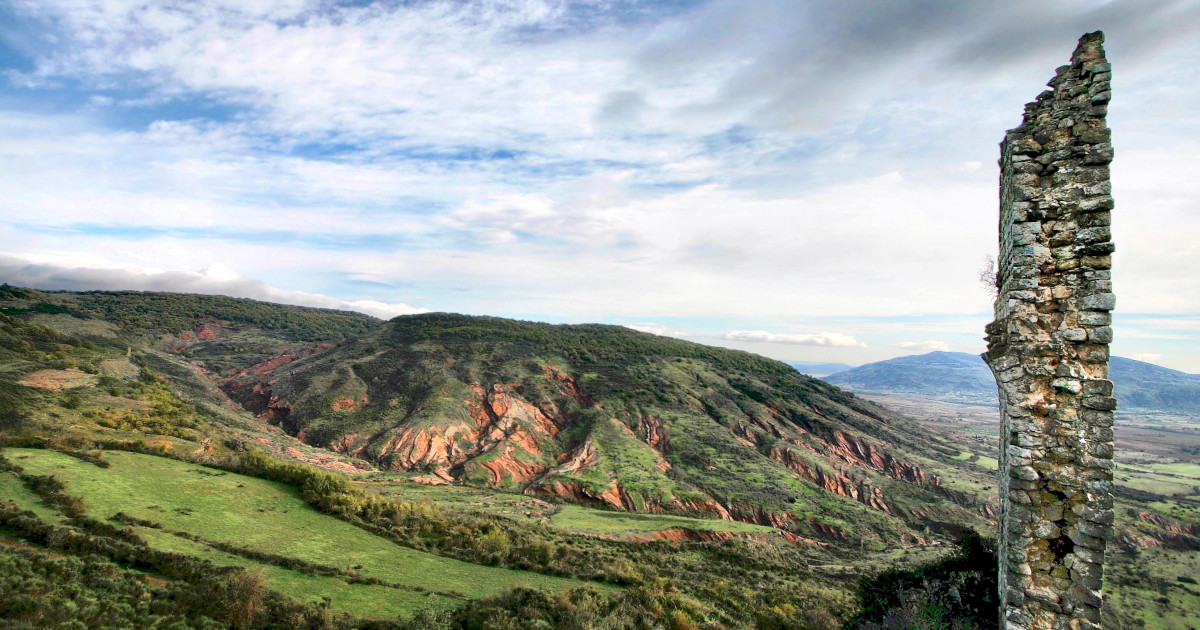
x=584, y=476
x=608, y=416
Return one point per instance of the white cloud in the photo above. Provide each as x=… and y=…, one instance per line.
x=660, y=330
x=1149, y=357
x=212, y=280
x=924, y=346
x=820, y=339
x=745, y=161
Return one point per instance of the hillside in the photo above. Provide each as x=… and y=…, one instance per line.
x=959, y=376
x=599, y=415
x=956, y=375
x=638, y=480
x=143, y=470
x=607, y=416
x=1149, y=387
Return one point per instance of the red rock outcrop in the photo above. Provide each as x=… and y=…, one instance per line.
x=657, y=434
x=507, y=466
x=756, y=514
x=568, y=386
x=828, y=530
x=349, y=404
x=856, y=450
x=838, y=483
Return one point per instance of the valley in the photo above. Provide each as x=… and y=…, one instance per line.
x=430, y=469
x=1158, y=501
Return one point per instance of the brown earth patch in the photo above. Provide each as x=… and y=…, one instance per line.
x=347, y=404
x=120, y=368
x=58, y=380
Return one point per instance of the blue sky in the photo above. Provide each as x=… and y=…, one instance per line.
x=807, y=180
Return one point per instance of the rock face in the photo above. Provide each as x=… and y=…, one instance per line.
x=1048, y=348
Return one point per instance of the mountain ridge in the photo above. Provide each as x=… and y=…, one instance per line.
x=594, y=414
x=959, y=376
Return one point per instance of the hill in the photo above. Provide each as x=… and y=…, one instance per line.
x=955, y=375
x=958, y=376
x=1148, y=387
x=588, y=476
x=598, y=415
x=606, y=416
x=121, y=456
x=819, y=368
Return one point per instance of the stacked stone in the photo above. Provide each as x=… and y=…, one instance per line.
x=1048, y=348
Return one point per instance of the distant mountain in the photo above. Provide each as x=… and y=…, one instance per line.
x=964, y=377
x=1147, y=386
x=818, y=368
x=949, y=375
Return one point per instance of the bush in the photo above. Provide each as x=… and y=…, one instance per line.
x=959, y=591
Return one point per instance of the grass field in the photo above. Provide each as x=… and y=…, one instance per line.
x=457, y=497
x=576, y=518
x=982, y=461
x=1165, y=479
x=361, y=599
x=268, y=517
x=573, y=518
x=1183, y=469
x=11, y=489
x=1141, y=584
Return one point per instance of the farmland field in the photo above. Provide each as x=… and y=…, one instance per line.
x=267, y=517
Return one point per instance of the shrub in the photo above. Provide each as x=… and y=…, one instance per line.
x=959, y=591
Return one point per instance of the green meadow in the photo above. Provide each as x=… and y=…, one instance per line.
x=569, y=517
x=1173, y=479
x=268, y=517
x=581, y=519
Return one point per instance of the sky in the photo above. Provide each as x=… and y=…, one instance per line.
x=808, y=180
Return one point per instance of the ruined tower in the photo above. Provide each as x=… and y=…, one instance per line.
x=1048, y=348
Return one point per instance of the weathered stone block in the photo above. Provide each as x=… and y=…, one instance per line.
x=1095, y=318
x=1099, y=516
x=1096, y=204
x=1074, y=334
x=1094, y=235
x=1095, y=530
x=1024, y=473
x=1101, y=403
x=1097, y=249
x=1088, y=542
x=1098, y=302
x=1067, y=385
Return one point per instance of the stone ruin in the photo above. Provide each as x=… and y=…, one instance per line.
x=1048, y=348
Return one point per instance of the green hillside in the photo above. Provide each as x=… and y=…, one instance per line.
x=202, y=511
x=611, y=417
x=319, y=469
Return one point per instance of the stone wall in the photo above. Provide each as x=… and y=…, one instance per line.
x=1048, y=348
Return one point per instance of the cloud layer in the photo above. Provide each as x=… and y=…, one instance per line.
x=820, y=339
x=212, y=280
x=765, y=166
x=920, y=347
